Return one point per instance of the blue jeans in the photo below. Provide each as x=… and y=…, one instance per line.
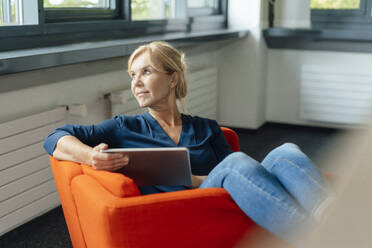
x=280, y=194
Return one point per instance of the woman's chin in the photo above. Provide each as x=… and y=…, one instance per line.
x=143, y=104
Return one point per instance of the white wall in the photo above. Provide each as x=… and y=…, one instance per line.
x=283, y=82
x=243, y=68
x=73, y=84
x=284, y=67
x=84, y=83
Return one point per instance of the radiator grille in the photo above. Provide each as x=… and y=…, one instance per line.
x=202, y=97
x=335, y=95
x=27, y=188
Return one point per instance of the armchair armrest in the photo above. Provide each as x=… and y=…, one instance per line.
x=117, y=183
x=199, y=217
x=64, y=172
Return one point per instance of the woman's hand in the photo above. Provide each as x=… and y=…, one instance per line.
x=197, y=181
x=72, y=149
x=107, y=161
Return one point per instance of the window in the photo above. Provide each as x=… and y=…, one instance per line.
x=7, y=12
x=10, y=12
x=77, y=4
x=35, y=23
x=202, y=3
x=158, y=9
x=210, y=14
x=341, y=14
x=346, y=5
x=152, y=9
x=18, y=12
x=203, y=7
x=76, y=10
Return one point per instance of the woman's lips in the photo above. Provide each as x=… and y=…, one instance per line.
x=141, y=93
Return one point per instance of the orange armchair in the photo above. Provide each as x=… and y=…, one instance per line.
x=105, y=210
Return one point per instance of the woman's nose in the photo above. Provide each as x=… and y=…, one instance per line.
x=137, y=80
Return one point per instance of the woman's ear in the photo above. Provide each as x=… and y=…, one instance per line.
x=174, y=79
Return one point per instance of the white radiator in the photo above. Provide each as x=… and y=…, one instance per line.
x=123, y=102
x=202, y=96
x=27, y=188
x=201, y=99
x=335, y=95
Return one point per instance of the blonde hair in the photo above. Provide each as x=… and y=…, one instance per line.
x=171, y=60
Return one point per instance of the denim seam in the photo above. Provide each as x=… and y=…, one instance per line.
x=307, y=174
x=268, y=195
x=302, y=170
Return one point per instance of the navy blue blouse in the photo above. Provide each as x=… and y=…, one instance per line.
x=203, y=137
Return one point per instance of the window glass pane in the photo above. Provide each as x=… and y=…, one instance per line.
x=1, y=13
x=76, y=3
x=9, y=13
x=202, y=4
x=153, y=9
x=335, y=4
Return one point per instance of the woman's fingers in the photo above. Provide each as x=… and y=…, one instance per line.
x=107, y=161
x=97, y=153
x=110, y=164
x=113, y=162
x=100, y=147
x=102, y=156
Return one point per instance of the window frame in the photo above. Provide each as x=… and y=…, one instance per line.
x=53, y=15
x=343, y=19
x=86, y=29
x=205, y=11
x=208, y=18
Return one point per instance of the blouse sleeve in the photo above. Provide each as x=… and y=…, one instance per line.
x=219, y=143
x=90, y=135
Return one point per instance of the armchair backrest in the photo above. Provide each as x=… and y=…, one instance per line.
x=232, y=138
x=119, y=185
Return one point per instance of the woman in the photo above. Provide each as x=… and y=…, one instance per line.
x=282, y=194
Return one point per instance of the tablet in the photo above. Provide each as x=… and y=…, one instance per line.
x=157, y=166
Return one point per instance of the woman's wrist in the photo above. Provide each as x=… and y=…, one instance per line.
x=197, y=181
x=72, y=149
x=88, y=156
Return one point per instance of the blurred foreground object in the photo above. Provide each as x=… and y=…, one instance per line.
x=348, y=223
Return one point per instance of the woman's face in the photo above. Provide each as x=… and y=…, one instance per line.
x=149, y=86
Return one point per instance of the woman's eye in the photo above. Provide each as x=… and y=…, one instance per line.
x=133, y=76
x=147, y=71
